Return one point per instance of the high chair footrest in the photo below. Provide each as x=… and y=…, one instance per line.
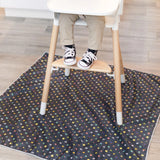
x=98, y=66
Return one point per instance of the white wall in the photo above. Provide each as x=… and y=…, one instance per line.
x=26, y=8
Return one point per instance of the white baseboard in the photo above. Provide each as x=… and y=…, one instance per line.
x=30, y=13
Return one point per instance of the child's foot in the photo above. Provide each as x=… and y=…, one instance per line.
x=69, y=55
x=87, y=60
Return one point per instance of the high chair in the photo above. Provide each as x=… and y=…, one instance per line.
x=111, y=9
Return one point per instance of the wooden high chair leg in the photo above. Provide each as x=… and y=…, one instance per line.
x=117, y=71
x=48, y=70
x=121, y=69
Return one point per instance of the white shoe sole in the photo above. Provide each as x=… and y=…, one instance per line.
x=70, y=63
x=82, y=67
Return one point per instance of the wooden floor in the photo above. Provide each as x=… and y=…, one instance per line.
x=24, y=40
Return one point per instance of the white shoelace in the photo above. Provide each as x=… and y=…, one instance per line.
x=69, y=52
x=89, y=56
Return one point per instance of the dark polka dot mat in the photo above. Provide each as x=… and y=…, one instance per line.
x=80, y=120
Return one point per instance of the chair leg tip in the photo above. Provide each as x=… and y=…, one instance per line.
x=42, y=113
x=43, y=108
x=123, y=80
x=67, y=72
x=119, y=118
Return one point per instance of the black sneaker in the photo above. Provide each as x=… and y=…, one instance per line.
x=87, y=60
x=69, y=56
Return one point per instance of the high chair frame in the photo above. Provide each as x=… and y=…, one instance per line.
x=112, y=15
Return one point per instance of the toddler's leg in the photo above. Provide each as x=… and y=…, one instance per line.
x=67, y=37
x=96, y=26
x=66, y=22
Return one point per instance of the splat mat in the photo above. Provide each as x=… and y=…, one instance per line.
x=80, y=119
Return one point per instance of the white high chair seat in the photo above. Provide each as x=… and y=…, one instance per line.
x=97, y=8
x=111, y=9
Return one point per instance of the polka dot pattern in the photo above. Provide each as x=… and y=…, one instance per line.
x=80, y=119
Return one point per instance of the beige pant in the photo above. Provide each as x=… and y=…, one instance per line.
x=95, y=25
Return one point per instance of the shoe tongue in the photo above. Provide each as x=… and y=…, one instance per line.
x=87, y=57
